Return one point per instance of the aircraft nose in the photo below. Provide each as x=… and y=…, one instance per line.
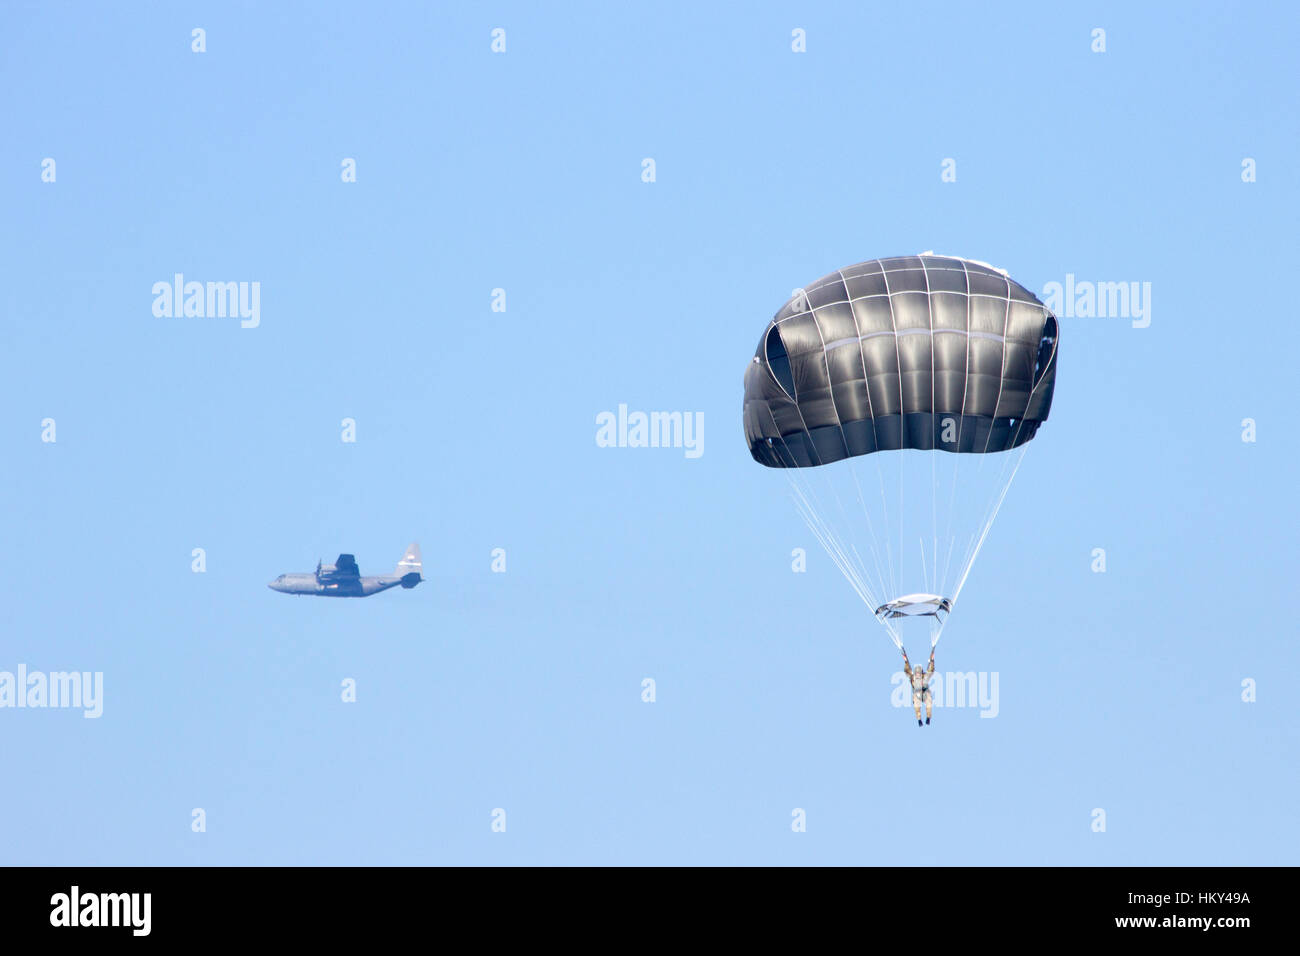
x=274, y=585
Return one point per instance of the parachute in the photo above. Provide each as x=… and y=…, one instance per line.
x=898, y=396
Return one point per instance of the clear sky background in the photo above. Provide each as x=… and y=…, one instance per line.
x=476, y=430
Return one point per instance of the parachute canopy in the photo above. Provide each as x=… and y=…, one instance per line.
x=924, y=352
x=861, y=378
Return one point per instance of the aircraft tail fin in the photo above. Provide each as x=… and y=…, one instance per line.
x=411, y=567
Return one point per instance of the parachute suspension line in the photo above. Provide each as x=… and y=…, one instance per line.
x=976, y=539
x=988, y=524
x=848, y=521
x=835, y=549
x=1001, y=489
x=992, y=516
x=829, y=542
x=952, y=498
x=925, y=568
x=934, y=521
x=863, y=564
x=840, y=541
x=854, y=579
x=902, y=515
x=875, y=543
x=968, y=554
x=947, y=562
x=884, y=511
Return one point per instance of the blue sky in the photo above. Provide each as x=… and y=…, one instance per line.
x=476, y=430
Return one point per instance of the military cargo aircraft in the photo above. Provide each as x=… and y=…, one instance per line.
x=343, y=578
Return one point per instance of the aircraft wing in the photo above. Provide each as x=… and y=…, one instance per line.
x=347, y=565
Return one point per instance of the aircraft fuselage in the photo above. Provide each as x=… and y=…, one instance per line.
x=327, y=587
x=342, y=579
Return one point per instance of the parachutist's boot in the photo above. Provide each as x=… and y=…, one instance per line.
x=927, y=721
x=918, y=721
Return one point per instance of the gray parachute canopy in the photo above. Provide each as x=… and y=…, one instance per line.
x=925, y=352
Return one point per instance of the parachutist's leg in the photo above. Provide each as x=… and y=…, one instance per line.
x=929, y=705
x=916, y=708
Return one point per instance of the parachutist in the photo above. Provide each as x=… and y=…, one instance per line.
x=920, y=687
